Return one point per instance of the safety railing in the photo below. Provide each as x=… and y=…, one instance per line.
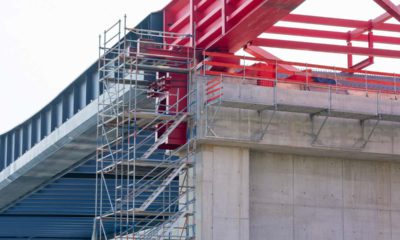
x=312, y=77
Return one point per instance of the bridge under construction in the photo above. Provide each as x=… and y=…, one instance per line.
x=187, y=127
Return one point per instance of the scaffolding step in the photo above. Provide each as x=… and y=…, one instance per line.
x=164, y=136
x=149, y=163
x=161, y=188
x=169, y=225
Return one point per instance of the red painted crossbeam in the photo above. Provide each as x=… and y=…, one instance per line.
x=249, y=23
x=390, y=8
x=372, y=23
x=259, y=52
x=330, y=48
x=338, y=22
x=224, y=25
x=302, y=32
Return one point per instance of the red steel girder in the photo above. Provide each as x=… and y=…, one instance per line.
x=389, y=7
x=225, y=25
x=372, y=24
x=330, y=48
x=249, y=23
x=330, y=35
x=260, y=53
x=363, y=64
x=339, y=22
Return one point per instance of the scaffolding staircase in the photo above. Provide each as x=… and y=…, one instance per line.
x=164, y=136
x=142, y=190
x=165, y=183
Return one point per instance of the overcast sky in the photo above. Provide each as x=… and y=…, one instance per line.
x=46, y=44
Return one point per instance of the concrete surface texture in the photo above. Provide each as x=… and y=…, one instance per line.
x=253, y=194
x=222, y=188
x=301, y=197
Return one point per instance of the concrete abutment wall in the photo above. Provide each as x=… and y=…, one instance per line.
x=255, y=194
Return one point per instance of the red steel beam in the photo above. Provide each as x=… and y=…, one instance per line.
x=248, y=25
x=363, y=64
x=356, y=33
x=301, y=32
x=372, y=24
x=338, y=22
x=258, y=52
x=319, y=47
x=390, y=8
x=224, y=25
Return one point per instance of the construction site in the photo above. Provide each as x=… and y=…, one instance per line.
x=187, y=127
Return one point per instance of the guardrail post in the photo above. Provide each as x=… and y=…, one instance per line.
x=204, y=65
x=378, y=94
x=336, y=79
x=276, y=73
x=307, y=87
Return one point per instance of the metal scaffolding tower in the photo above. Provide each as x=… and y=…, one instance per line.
x=146, y=141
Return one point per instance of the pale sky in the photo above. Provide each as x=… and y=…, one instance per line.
x=46, y=44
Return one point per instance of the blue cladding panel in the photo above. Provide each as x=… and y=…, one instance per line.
x=88, y=89
x=48, y=122
x=53, y=117
x=13, y=146
x=8, y=149
x=25, y=138
x=77, y=100
x=70, y=103
x=59, y=114
x=43, y=124
x=38, y=131
x=2, y=163
x=65, y=108
x=82, y=95
x=20, y=141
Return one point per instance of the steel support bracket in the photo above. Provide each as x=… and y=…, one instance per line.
x=264, y=129
x=314, y=134
x=365, y=141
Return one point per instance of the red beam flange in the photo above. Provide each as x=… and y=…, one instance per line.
x=339, y=22
x=330, y=48
x=302, y=32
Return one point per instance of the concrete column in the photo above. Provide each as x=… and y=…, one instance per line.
x=222, y=193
